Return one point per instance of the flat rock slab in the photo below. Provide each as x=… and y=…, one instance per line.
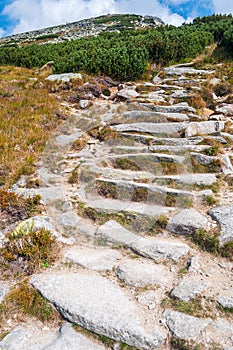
x=226, y=299
x=113, y=205
x=64, y=77
x=32, y=338
x=178, y=149
x=174, y=70
x=64, y=140
x=224, y=216
x=136, y=115
x=226, y=109
x=152, y=128
x=220, y=331
x=52, y=194
x=186, y=222
x=204, y=159
x=157, y=249
x=140, y=274
x=155, y=158
x=115, y=233
x=179, y=107
x=94, y=259
x=69, y=339
x=188, y=288
x=69, y=219
x=93, y=302
x=128, y=93
x=35, y=223
x=203, y=128
x=184, y=326
x=190, y=179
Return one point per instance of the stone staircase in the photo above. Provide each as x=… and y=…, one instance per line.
x=125, y=203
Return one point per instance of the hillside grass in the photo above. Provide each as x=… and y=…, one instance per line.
x=28, y=116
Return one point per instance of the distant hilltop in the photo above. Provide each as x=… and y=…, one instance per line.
x=84, y=28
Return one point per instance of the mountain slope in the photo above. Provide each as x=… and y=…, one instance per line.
x=85, y=28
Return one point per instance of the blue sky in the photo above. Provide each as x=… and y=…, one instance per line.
x=23, y=15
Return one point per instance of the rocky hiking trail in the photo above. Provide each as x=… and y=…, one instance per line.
x=126, y=186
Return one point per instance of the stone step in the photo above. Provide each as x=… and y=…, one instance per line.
x=141, y=158
x=188, y=179
x=114, y=206
x=140, y=192
x=152, y=140
x=152, y=248
x=115, y=174
x=159, y=148
x=174, y=129
x=156, y=117
x=30, y=337
x=176, y=108
x=96, y=307
x=177, y=70
x=179, y=149
x=204, y=128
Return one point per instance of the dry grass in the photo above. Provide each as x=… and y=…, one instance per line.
x=28, y=115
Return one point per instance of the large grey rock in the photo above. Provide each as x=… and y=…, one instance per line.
x=138, y=274
x=35, y=223
x=93, y=302
x=83, y=104
x=113, y=205
x=128, y=93
x=69, y=339
x=64, y=77
x=182, y=94
x=226, y=109
x=227, y=167
x=153, y=158
x=184, y=326
x=189, y=287
x=47, y=177
x=157, y=249
x=178, y=149
x=190, y=179
x=186, y=222
x=28, y=337
x=114, y=232
x=224, y=216
x=203, y=159
x=203, y=128
x=153, y=128
x=179, y=107
x=135, y=115
x=69, y=219
x=64, y=140
x=52, y=194
x=220, y=332
x=16, y=339
x=174, y=70
x=226, y=299
x=93, y=259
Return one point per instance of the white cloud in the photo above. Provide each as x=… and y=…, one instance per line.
x=2, y=32
x=223, y=6
x=150, y=7
x=36, y=14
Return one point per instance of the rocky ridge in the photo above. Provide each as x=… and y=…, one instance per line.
x=84, y=28
x=124, y=201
